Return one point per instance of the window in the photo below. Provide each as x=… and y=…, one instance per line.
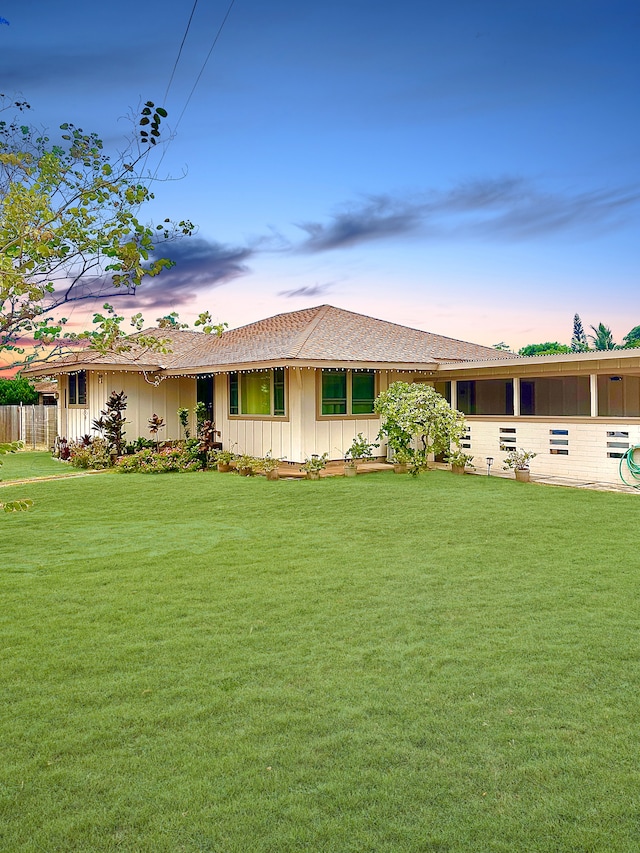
x=78, y=388
x=485, y=396
x=260, y=392
x=347, y=392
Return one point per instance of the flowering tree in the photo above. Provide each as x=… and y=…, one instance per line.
x=415, y=410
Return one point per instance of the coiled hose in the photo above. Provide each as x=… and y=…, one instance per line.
x=630, y=467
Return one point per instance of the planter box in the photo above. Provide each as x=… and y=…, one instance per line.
x=350, y=470
x=400, y=468
x=273, y=475
x=523, y=475
x=457, y=469
x=223, y=467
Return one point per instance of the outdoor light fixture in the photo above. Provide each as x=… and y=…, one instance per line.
x=489, y=464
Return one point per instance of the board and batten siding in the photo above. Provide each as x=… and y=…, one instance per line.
x=143, y=401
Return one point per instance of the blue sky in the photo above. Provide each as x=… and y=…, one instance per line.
x=469, y=168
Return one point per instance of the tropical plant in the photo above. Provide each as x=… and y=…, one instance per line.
x=578, y=339
x=268, y=463
x=245, y=463
x=94, y=453
x=518, y=459
x=460, y=459
x=201, y=415
x=417, y=412
x=111, y=422
x=360, y=449
x=225, y=457
x=183, y=417
x=178, y=459
x=156, y=423
x=603, y=338
x=314, y=464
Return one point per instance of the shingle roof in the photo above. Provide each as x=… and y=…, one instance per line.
x=330, y=334
x=320, y=334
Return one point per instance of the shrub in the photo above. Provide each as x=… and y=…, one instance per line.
x=94, y=454
x=178, y=458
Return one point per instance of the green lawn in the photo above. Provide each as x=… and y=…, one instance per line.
x=204, y=662
x=18, y=466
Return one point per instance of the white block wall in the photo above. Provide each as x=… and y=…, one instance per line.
x=587, y=458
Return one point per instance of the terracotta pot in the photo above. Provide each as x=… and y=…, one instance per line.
x=223, y=467
x=245, y=472
x=350, y=470
x=457, y=469
x=273, y=475
x=523, y=475
x=313, y=475
x=400, y=468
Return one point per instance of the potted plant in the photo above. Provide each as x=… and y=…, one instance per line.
x=313, y=465
x=223, y=459
x=518, y=461
x=459, y=461
x=401, y=460
x=269, y=465
x=360, y=449
x=246, y=465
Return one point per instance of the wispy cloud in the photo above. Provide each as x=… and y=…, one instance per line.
x=308, y=290
x=502, y=208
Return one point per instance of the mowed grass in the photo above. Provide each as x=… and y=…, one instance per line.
x=26, y=464
x=203, y=662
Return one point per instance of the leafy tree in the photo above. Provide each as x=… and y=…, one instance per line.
x=16, y=391
x=632, y=339
x=578, y=339
x=603, y=338
x=548, y=348
x=416, y=410
x=69, y=226
x=112, y=421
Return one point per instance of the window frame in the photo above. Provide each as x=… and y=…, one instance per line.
x=349, y=414
x=235, y=377
x=75, y=403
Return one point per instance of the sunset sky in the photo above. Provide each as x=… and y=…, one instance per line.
x=470, y=168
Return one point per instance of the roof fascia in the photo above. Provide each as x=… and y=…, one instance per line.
x=411, y=367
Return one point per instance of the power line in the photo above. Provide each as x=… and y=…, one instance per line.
x=193, y=88
x=204, y=64
x=184, y=38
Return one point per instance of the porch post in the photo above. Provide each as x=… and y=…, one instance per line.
x=516, y=396
x=593, y=389
x=454, y=394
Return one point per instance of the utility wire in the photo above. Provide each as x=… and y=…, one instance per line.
x=200, y=73
x=175, y=64
x=204, y=64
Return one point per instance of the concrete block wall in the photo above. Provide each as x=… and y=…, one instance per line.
x=589, y=446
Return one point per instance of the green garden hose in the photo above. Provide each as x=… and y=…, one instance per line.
x=631, y=466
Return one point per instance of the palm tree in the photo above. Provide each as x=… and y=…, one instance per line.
x=603, y=338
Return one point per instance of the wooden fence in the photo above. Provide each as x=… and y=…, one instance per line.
x=36, y=426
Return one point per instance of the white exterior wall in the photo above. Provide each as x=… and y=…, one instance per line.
x=300, y=434
x=143, y=401
x=587, y=458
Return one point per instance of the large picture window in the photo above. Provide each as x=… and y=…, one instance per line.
x=78, y=388
x=260, y=392
x=347, y=392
